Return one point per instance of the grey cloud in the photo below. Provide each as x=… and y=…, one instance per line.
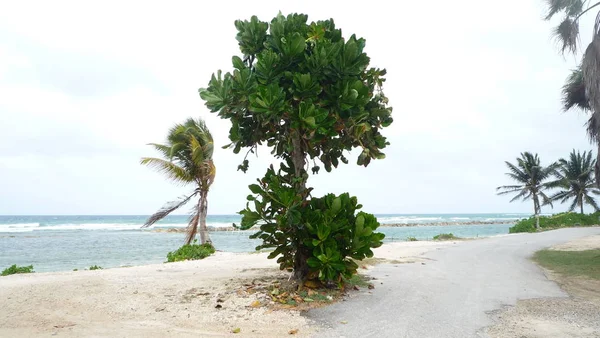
x=74, y=73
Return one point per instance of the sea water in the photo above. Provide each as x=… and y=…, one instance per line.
x=61, y=243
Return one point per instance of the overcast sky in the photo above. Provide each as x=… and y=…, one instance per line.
x=84, y=86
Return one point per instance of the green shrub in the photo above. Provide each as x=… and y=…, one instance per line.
x=333, y=234
x=14, y=269
x=95, y=267
x=411, y=239
x=191, y=252
x=445, y=237
x=565, y=219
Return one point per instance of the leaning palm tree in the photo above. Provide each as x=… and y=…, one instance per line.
x=187, y=159
x=531, y=178
x=583, y=85
x=576, y=180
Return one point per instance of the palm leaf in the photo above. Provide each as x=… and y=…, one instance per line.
x=170, y=169
x=591, y=201
x=167, y=209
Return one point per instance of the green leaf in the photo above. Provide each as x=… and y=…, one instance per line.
x=310, y=121
x=255, y=188
x=313, y=262
x=238, y=63
x=336, y=205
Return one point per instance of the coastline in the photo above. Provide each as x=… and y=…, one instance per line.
x=387, y=225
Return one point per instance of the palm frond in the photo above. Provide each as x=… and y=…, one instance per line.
x=567, y=34
x=167, y=209
x=524, y=194
x=570, y=7
x=170, y=169
x=573, y=205
x=573, y=91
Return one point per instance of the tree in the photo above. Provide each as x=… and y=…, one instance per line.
x=306, y=92
x=532, y=178
x=583, y=85
x=187, y=160
x=575, y=177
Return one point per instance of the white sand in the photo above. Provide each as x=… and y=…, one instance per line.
x=160, y=300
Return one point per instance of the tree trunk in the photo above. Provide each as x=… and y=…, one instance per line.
x=302, y=253
x=597, y=166
x=581, y=205
x=536, y=207
x=202, y=210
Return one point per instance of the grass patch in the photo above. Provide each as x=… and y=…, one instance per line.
x=14, y=269
x=191, y=252
x=562, y=220
x=571, y=263
x=95, y=267
x=445, y=237
x=411, y=239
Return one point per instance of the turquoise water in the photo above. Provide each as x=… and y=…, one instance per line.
x=61, y=243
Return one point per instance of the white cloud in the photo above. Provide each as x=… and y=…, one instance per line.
x=84, y=87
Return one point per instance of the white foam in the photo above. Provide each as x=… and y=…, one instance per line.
x=19, y=227
x=28, y=227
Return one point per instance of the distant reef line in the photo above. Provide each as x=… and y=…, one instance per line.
x=387, y=225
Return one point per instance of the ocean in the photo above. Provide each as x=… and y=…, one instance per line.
x=63, y=243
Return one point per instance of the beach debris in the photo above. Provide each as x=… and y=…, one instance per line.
x=62, y=326
x=355, y=288
x=160, y=309
x=236, y=330
x=294, y=331
x=219, y=300
x=371, y=286
x=255, y=303
x=218, y=306
x=344, y=322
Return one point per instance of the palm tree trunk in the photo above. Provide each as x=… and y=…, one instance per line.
x=536, y=211
x=202, y=210
x=581, y=205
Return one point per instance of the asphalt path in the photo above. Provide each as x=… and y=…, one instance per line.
x=453, y=294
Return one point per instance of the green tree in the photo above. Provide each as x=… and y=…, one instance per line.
x=576, y=180
x=532, y=182
x=582, y=88
x=309, y=94
x=187, y=160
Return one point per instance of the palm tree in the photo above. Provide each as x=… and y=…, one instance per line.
x=187, y=159
x=576, y=180
x=531, y=177
x=583, y=85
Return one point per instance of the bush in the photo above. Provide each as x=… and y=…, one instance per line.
x=411, y=239
x=565, y=219
x=445, y=237
x=191, y=252
x=14, y=269
x=95, y=267
x=333, y=231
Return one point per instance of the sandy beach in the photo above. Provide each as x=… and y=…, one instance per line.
x=210, y=297
x=161, y=300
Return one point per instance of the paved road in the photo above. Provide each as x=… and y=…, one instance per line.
x=450, y=296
